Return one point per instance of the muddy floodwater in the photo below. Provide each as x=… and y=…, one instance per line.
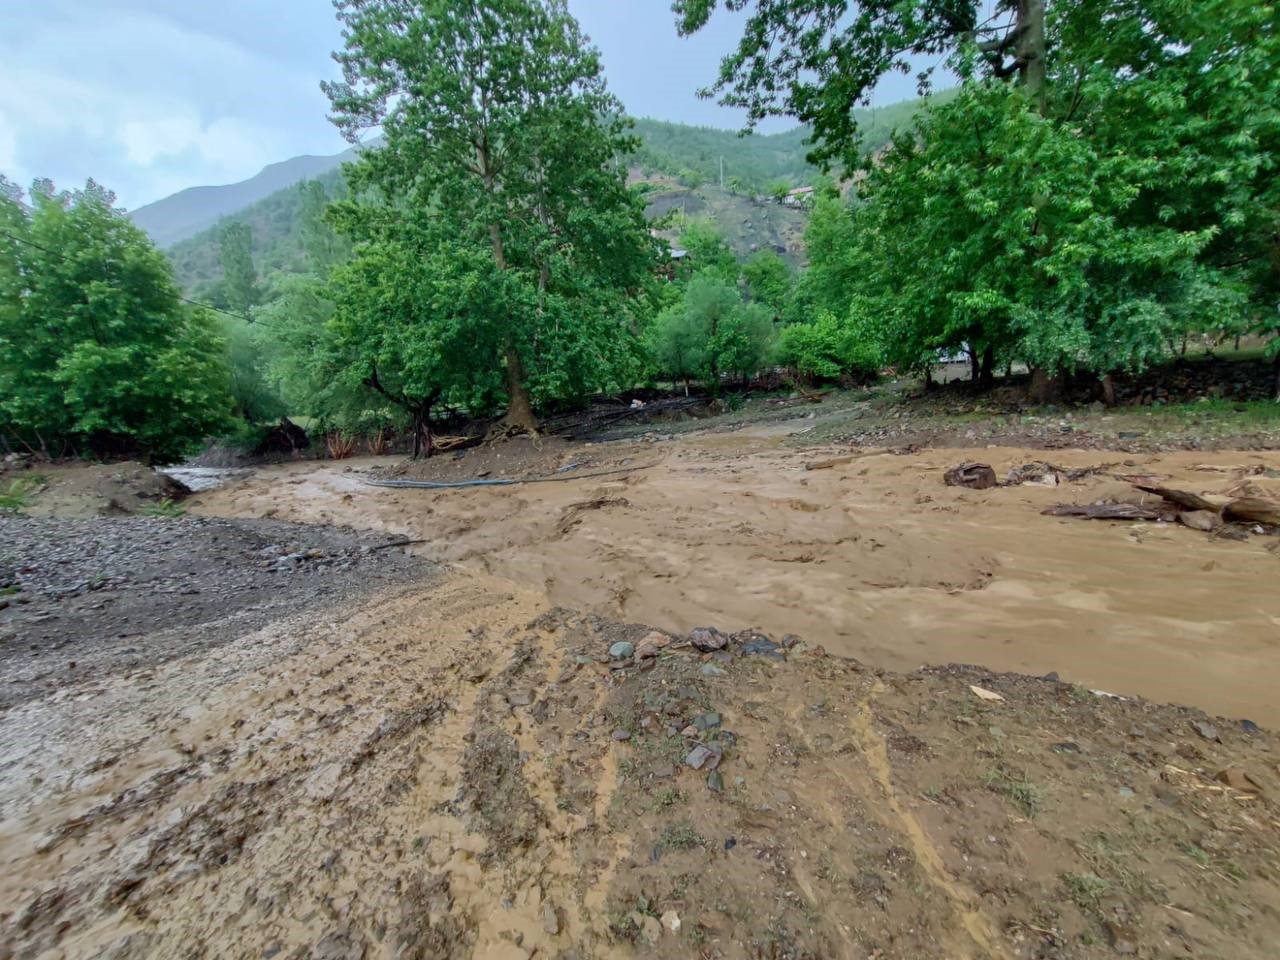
x=872, y=557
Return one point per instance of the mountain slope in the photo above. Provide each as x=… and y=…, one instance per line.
x=682, y=161
x=189, y=211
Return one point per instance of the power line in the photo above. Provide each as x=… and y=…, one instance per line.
x=66, y=259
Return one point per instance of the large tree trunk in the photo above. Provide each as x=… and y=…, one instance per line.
x=1109, y=390
x=1277, y=366
x=1030, y=49
x=987, y=376
x=519, y=411
x=519, y=416
x=975, y=365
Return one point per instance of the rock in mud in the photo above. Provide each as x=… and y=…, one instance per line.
x=1203, y=520
x=648, y=926
x=708, y=639
x=1239, y=780
x=762, y=646
x=699, y=757
x=976, y=476
x=622, y=650
x=1206, y=730
x=711, y=670
x=652, y=644
x=982, y=693
x=550, y=919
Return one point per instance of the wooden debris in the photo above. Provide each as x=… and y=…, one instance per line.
x=1253, y=510
x=1183, y=498
x=976, y=476
x=1103, y=511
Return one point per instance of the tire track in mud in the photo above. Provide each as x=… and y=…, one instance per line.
x=876, y=754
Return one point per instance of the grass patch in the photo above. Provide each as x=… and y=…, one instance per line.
x=1086, y=890
x=165, y=508
x=1017, y=789
x=667, y=798
x=16, y=497
x=681, y=836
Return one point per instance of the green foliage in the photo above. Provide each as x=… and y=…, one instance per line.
x=709, y=252
x=254, y=399
x=96, y=350
x=769, y=280
x=828, y=349
x=818, y=60
x=16, y=496
x=239, y=276
x=778, y=189
x=710, y=331
x=1129, y=201
x=165, y=507
x=499, y=157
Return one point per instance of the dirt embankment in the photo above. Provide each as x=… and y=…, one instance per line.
x=459, y=771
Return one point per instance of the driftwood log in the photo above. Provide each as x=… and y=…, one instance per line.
x=1183, y=498
x=1103, y=511
x=1252, y=510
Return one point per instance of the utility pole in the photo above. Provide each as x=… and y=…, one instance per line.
x=721, y=173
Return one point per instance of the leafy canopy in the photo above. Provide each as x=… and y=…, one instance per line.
x=97, y=352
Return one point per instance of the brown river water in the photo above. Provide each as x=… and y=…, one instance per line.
x=873, y=558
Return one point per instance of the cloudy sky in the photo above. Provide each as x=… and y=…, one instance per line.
x=151, y=96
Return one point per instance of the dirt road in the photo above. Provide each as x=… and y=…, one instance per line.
x=873, y=558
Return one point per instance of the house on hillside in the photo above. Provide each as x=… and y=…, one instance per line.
x=799, y=197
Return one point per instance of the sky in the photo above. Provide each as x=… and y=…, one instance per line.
x=151, y=96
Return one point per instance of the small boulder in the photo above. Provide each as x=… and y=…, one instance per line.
x=707, y=639
x=622, y=650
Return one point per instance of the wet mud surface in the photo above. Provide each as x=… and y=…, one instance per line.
x=461, y=771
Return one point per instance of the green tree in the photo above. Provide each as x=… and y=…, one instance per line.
x=97, y=352
x=709, y=252
x=691, y=178
x=828, y=348
x=324, y=248
x=254, y=399
x=743, y=340
x=679, y=344
x=239, y=276
x=817, y=60
x=499, y=135
x=406, y=325
x=769, y=280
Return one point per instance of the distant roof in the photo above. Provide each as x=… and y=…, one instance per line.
x=799, y=191
x=678, y=254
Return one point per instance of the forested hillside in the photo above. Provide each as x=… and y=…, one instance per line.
x=684, y=161
x=177, y=217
